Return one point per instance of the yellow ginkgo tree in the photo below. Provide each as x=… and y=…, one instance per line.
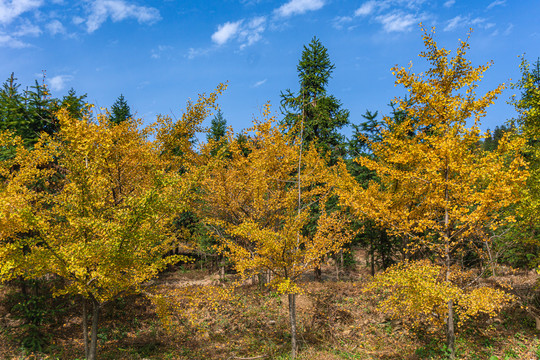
x=104, y=226
x=437, y=187
x=257, y=201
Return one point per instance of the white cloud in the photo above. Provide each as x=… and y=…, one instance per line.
x=366, y=8
x=27, y=29
x=193, y=52
x=454, y=23
x=59, y=82
x=118, y=10
x=466, y=21
x=77, y=20
x=449, y=3
x=55, y=27
x=226, y=31
x=393, y=15
x=158, y=52
x=294, y=7
x=251, y=32
x=246, y=32
x=496, y=3
x=10, y=10
x=259, y=83
x=398, y=22
x=508, y=29
x=341, y=21
x=11, y=42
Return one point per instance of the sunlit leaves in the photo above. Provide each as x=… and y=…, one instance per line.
x=437, y=187
x=251, y=203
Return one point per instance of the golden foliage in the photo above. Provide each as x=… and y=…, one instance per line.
x=430, y=164
x=437, y=187
x=190, y=305
x=416, y=291
x=251, y=204
x=104, y=228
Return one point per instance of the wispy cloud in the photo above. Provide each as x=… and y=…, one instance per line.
x=508, y=29
x=251, y=32
x=496, y=3
x=259, y=83
x=196, y=52
x=296, y=7
x=467, y=21
x=59, y=82
x=244, y=31
x=398, y=21
x=10, y=10
x=340, y=21
x=158, y=52
x=449, y=3
x=11, y=42
x=27, y=29
x=248, y=31
x=366, y=8
x=55, y=27
x=393, y=15
x=118, y=10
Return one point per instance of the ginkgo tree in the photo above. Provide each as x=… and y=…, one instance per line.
x=257, y=201
x=437, y=187
x=104, y=228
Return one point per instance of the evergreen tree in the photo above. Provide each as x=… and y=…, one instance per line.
x=321, y=113
x=12, y=112
x=75, y=105
x=218, y=129
x=216, y=133
x=120, y=110
x=27, y=113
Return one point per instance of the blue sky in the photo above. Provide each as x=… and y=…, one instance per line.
x=160, y=53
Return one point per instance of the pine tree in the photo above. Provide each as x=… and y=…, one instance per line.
x=322, y=113
x=75, y=104
x=120, y=110
x=217, y=132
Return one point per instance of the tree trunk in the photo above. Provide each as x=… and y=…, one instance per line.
x=93, y=341
x=337, y=267
x=372, y=258
x=491, y=262
x=318, y=273
x=85, y=327
x=450, y=333
x=292, y=318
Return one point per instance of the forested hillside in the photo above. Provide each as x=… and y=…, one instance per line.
x=416, y=238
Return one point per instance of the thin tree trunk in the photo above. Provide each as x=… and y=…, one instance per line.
x=318, y=273
x=450, y=333
x=85, y=327
x=337, y=267
x=490, y=259
x=93, y=341
x=372, y=258
x=292, y=318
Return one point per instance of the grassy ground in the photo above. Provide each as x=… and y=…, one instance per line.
x=336, y=321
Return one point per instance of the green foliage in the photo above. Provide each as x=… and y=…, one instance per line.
x=33, y=111
x=321, y=114
x=34, y=305
x=120, y=110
